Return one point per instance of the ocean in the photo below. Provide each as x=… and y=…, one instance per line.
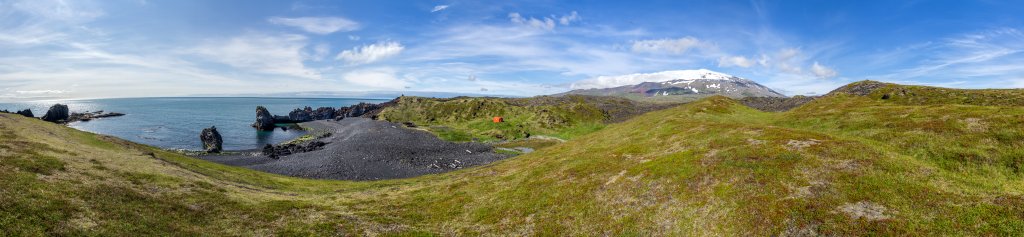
x=175, y=123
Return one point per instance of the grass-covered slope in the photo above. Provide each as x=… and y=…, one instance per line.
x=468, y=118
x=840, y=165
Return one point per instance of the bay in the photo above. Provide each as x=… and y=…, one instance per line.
x=175, y=122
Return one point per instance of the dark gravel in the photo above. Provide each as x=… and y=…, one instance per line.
x=365, y=149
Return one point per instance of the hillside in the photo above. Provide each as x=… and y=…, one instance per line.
x=469, y=118
x=842, y=164
x=678, y=86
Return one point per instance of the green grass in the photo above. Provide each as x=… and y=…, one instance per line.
x=840, y=165
x=469, y=119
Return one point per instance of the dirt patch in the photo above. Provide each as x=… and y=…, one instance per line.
x=754, y=142
x=864, y=209
x=975, y=124
x=801, y=144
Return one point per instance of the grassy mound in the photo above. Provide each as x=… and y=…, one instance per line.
x=468, y=118
x=840, y=165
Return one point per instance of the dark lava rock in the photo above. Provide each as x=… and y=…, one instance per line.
x=366, y=110
x=87, y=116
x=291, y=148
x=264, y=120
x=58, y=113
x=212, y=141
x=323, y=113
x=301, y=115
x=26, y=113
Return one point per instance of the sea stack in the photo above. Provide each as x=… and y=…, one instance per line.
x=26, y=113
x=58, y=113
x=264, y=120
x=212, y=141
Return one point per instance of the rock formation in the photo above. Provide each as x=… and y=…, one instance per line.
x=301, y=115
x=212, y=141
x=264, y=121
x=26, y=113
x=278, y=151
x=87, y=116
x=323, y=113
x=58, y=113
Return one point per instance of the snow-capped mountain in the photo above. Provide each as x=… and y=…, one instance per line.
x=679, y=85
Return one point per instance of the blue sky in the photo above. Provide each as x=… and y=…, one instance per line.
x=95, y=49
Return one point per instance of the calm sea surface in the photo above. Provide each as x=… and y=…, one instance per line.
x=175, y=123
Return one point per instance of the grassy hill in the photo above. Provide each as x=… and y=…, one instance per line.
x=469, y=118
x=842, y=164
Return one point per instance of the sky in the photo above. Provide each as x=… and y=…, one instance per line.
x=144, y=48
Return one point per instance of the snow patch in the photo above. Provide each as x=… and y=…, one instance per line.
x=663, y=76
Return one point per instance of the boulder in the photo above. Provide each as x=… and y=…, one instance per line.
x=264, y=120
x=57, y=113
x=212, y=141
x=26, y=113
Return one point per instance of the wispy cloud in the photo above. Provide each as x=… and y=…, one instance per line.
x=735, y=61
x=439, y=8
x=546, y=23
x=260, y=52
x=668, y=46
x=317, y=25
x=822, y=71
x=375, y=78
x=990, y=58
x=371, y=53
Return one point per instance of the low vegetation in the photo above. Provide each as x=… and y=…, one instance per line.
x=843, y=164
x=468, y=118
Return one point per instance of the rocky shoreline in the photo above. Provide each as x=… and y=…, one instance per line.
x=60, y=113
x=265, y=121
x=361, y=148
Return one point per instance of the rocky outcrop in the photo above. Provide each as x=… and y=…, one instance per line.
x=278, y=151
x=26, y=113
x=212, y=142
x=366, y=110
x=87, y=116
x=57, y=113
x=264, y=120
x=301, y=115
x=323, y=113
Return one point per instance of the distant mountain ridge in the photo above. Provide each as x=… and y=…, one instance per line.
x=680, y=85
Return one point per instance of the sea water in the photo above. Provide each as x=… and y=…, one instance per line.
x=175, y=123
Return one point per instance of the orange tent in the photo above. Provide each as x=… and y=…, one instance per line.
x=498, y=119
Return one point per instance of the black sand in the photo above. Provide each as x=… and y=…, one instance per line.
x=365, y=149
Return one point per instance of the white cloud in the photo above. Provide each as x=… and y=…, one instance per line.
x=317, y=25
x=60, y=10
x=375, y=78
x=439, y=8
x=273, y=54
x=822, y=71
x=320, y=51
x=545, y=23
x=666, y=46
x=565, y=20
x=371, y=53
x=735, y=61
x=35, y=92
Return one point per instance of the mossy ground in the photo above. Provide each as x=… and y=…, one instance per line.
x=841, y=165
x=471, y=119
